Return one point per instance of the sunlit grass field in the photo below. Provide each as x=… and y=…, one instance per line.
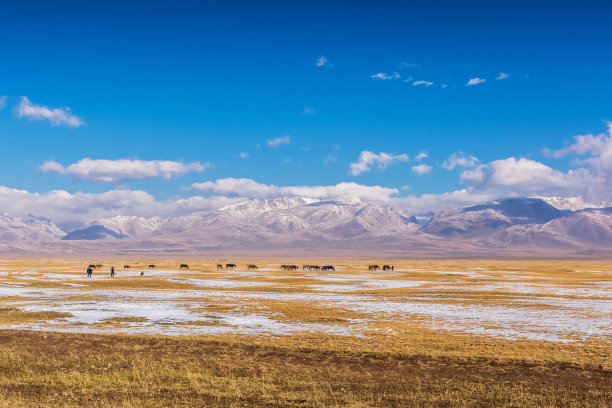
x=428, y=333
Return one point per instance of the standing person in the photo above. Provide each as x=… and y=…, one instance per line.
x=112, y=271
x=89, y=272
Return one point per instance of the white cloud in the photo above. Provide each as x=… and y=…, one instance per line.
x=309, y=110
x=426, y=83
x=369, y=159
x=459, y=159
x=521, y=176
x=118, y=171
x=475, y=81
x=444, y=86
x=583, y=144
x=323, y=62
x=421, y=169
x=2, y=101
x=244, y=155
x=420, y=156
x=436, y=202
x=598, y=147
x=277, y=141
x=244, y=187
x=383, y=76
x=56, y=116
x=502, y=75
x=524, y=176
x=331, y=158
x=60, y=205
x=407, y=65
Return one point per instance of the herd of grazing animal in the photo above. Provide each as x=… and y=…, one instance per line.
x=249, y=267
x=384, y=268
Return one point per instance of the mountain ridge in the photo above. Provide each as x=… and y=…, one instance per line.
x=346, y=222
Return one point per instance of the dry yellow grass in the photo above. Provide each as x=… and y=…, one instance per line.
x=381, y=354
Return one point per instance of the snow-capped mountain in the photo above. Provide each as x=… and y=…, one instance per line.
x=92, y=233
x=129, y=226
x=573, y=203
x=296, y=219
x=27, y=228
x=344, y=223
x=585, y=228
x=490, y=217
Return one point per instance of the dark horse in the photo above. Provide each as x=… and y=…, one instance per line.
x=230, y=266
x=373, y=268
x=388, y=268
x=252, y=267
x=219, y=266
x=126, y=266
x=152, y=266
x=184, y=266
x=328, y=268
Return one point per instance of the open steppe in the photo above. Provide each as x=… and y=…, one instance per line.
x=429, y=333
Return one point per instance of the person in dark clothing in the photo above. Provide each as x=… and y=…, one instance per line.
x=112, y=271
x=89, y=272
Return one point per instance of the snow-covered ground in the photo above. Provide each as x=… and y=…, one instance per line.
x=497, y=305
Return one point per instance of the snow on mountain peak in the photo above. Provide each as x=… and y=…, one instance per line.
x=573, y=203
x=259, y=205
x=129, y=225
x=27, y=227
x=349, y=200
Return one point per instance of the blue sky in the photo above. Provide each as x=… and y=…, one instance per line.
x=133, y=88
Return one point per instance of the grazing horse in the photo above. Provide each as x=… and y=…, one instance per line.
x=289, y=267
x=99, y=266
x=328, y=268
x=91, y=266
x=230, y=266
x=373, y=268
x=252, y=267
x=184, y=266
x=388, y=268
x=126, y=266
x=219, y=266
x=151, y=267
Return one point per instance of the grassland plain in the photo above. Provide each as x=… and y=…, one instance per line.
x=430, y=333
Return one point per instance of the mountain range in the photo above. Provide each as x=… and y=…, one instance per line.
x=347, y=223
